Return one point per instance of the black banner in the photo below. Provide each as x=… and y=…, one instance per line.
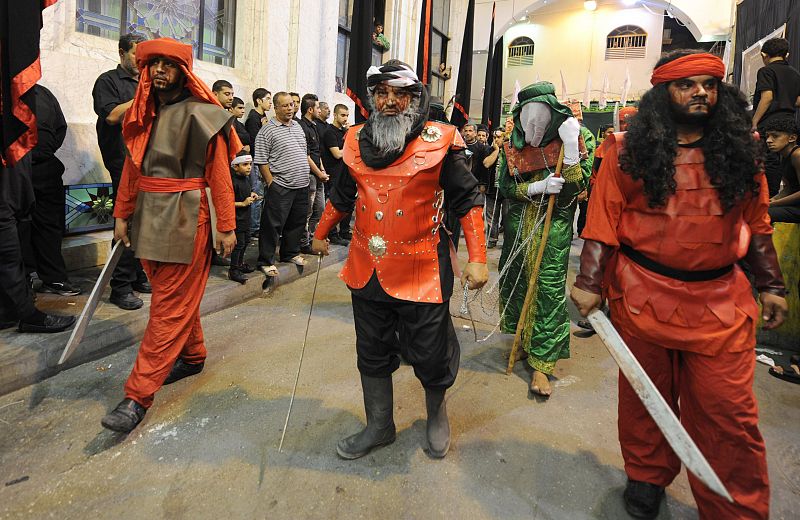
x=360, y=58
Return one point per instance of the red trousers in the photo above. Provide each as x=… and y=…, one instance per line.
x=174, y=328
x=713, y=396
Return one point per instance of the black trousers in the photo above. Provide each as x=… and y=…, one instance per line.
x=283, y=221
x=422, y=333
x=789, y=214
x=41, y=238
x=16, y=194
x=242, y=241
x=129, y=269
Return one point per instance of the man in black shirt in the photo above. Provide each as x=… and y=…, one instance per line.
x=309, y=107
x=262, y=103
x=332, y=145
x=113, y=94
x=777, y=94
x=481, y=158
x=41, y=237
x=237, y=109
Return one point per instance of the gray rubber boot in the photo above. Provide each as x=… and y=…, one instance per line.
x=438, y=427
x=380, y=430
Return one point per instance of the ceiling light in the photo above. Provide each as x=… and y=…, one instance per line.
x=590, y=5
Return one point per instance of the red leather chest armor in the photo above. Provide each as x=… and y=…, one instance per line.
x=398, y=214
x=692, y=231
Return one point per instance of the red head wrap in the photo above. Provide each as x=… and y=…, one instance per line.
x=624, y=116
x=139, y=117
x=702, y=64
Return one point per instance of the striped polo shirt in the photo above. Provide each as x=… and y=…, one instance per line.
x=283, y=147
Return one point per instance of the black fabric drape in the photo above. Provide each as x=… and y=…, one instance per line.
x=360, y=57
x=461, y=103
x=497, y=85
x=757, y=18
x=20, y=23
x=488, y=93
x=424, y=45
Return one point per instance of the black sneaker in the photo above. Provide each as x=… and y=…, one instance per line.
x=142, y=286
x=491, y=244
x=247, y=268
x=642, y=499
x=127, y=301
x=339, y=241
x=306, y=250
x=585, y=324
x=45, y=323
x=183, y=369
x=125, y=417
x=236, y=275
x=60, y=288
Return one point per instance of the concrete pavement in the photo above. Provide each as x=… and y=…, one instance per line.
x=208, y=447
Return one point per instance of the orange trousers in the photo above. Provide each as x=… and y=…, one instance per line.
x=713, y=396
x=174, y=328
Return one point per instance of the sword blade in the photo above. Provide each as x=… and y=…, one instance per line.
x=91, y=304
x=677, y=437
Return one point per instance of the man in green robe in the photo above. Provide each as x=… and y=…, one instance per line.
x=525, y=173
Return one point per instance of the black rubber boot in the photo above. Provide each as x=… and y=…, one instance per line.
x=438, y=427
x=380, y=430
x=183, y=369
x=125, y=417
x=642, y=499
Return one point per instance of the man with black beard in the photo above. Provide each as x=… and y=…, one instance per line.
x=401, y=167
x=678, y=201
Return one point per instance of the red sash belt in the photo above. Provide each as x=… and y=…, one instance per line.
x=167, y=185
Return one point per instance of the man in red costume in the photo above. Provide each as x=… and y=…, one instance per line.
x=176, y=187
x=401, y=169
x=680, y=199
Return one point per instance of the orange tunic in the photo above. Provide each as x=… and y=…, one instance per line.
x=691, y=232
x=174, y=327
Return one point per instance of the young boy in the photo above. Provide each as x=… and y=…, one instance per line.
x=781, y=138
x=244, y=197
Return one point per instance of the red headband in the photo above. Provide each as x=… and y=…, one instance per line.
x=686, y=66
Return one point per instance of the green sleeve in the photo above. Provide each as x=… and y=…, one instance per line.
x=591, y=145
x=384, y=41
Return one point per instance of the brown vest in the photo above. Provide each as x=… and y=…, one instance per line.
x=165, y=224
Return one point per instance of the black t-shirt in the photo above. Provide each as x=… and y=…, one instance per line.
x=784, y=82
x=112, y=88
x=241, y=131
x=480, y=152
x=333, y=138
x=253, y=124
x=312, y=140
x=241, y=190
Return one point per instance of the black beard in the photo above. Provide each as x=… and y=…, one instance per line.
x=682, y=116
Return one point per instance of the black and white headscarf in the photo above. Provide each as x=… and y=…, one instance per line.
x=394, y=73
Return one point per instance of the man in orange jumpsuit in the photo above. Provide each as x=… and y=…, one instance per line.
x=175, y=186
x=680, y=199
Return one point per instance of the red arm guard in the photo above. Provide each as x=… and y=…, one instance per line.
x=330, y=217
x=473, y=226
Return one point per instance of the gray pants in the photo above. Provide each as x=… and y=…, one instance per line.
x=316, y=205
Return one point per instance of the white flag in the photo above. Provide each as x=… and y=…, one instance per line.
x=538, y=79
x=604, y=93
x=587, y=94
x=626, y=87
x=563, y=86
x=517, y=88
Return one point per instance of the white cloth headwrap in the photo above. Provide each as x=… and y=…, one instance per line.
x=241, y=159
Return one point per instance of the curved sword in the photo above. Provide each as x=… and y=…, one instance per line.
x=677, y=437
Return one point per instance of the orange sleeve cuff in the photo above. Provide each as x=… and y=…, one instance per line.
x=127, y=192
x=330, y=217
x=473, y=226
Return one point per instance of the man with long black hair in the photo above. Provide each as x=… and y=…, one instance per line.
x=679, y=200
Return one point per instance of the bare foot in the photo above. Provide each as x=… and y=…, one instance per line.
x=540, y=384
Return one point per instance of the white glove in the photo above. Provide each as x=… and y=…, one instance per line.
x=569, y=132
x=549, y=186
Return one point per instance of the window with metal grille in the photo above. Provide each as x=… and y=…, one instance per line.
x=628, y=41
x=520, y=52
x=206, y=25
